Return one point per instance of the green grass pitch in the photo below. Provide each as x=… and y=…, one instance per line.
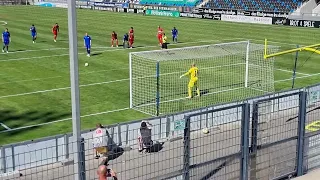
x=34, y=83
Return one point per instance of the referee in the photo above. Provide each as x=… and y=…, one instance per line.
x=164, y=42
x=144, y=10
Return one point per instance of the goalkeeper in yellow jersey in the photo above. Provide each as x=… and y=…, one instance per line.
x=193, y=72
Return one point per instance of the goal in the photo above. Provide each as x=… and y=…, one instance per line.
x=227, y=72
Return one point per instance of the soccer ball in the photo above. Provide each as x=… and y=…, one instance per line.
x=86, y=64
x=205, y=131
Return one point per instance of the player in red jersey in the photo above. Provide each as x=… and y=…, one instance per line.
x=160, y=33
x=55, y=30
x=114, y=37
x=131, y=37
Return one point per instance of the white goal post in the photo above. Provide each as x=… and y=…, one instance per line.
x=227, y=72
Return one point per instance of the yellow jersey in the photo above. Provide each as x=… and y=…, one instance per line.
x=164, y=39
x=193, y=72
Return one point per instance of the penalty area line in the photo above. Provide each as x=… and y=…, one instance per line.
x=66, y=119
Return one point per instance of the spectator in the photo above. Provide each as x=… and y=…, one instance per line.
x=103, y=173
x=100, y=141
x=144, y=139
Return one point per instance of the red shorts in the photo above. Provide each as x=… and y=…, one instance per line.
x=55, y=33
x=159, y=36
x=114, y=39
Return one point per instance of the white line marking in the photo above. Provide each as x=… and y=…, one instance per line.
x=66, y=119
x=59, y=55
x=284, y=70
x=52, y=49
x=53, y=77
x=58, y=89
x=290, y=79
x=6, y=127
x=4, y=23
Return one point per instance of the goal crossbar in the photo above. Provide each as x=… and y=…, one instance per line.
x=305, y=48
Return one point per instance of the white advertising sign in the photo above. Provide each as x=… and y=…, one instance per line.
x=246, y=19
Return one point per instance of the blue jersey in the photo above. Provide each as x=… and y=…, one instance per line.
x=87, y=41
x=33, y=30
x=125, y=37
x=174, y=32
x=6, y=37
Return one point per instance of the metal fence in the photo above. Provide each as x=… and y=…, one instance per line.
x=268, y=137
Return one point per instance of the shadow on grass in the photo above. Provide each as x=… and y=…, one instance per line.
x=96, y=54
x=14, y=119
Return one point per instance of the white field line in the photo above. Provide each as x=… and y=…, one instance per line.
x=64, y=88
x=61, y=120
x=6, y=127
x=53, y=77
x=284, y=70
x=67, y=54
x=106, y=82
x=290, y=79
x=52, y=49
x=4, y=23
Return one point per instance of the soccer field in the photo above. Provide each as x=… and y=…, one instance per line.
x=34, y=83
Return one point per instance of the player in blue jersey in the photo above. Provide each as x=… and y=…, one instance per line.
x=174, y=33
x=125, y=41
x=33, y=33
x=6, y=40
x=87, y=43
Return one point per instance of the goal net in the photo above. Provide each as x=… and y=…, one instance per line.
x=227, y=72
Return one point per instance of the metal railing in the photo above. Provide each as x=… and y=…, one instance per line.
x=265, y=136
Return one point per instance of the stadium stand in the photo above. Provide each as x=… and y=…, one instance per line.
x=256, y=5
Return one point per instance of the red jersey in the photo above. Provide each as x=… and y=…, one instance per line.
x=55, y=28
x=114, y=36
x=160, y=31
x=131, y=32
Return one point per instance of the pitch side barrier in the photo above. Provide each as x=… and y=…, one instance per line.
x=19, y=156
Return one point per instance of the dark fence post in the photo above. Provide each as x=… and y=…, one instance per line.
x=82, y=159
x=186, y=149
x=3, y=160
x=301, y=132
x=66, y=146
x=127, y=134
x=13, y=158
x=168, y=127
x=245, y=121
x=254, y=140
x=119, y=135
x=57, y=149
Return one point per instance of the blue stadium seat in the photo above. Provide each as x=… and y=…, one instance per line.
x=256, y=5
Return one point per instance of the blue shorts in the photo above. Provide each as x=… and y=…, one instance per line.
x=88, y=46
x=33, y=34
x=6, y=43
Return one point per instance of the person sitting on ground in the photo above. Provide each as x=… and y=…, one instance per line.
x=144, y=139
x=100, y=141
x=103, y=173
